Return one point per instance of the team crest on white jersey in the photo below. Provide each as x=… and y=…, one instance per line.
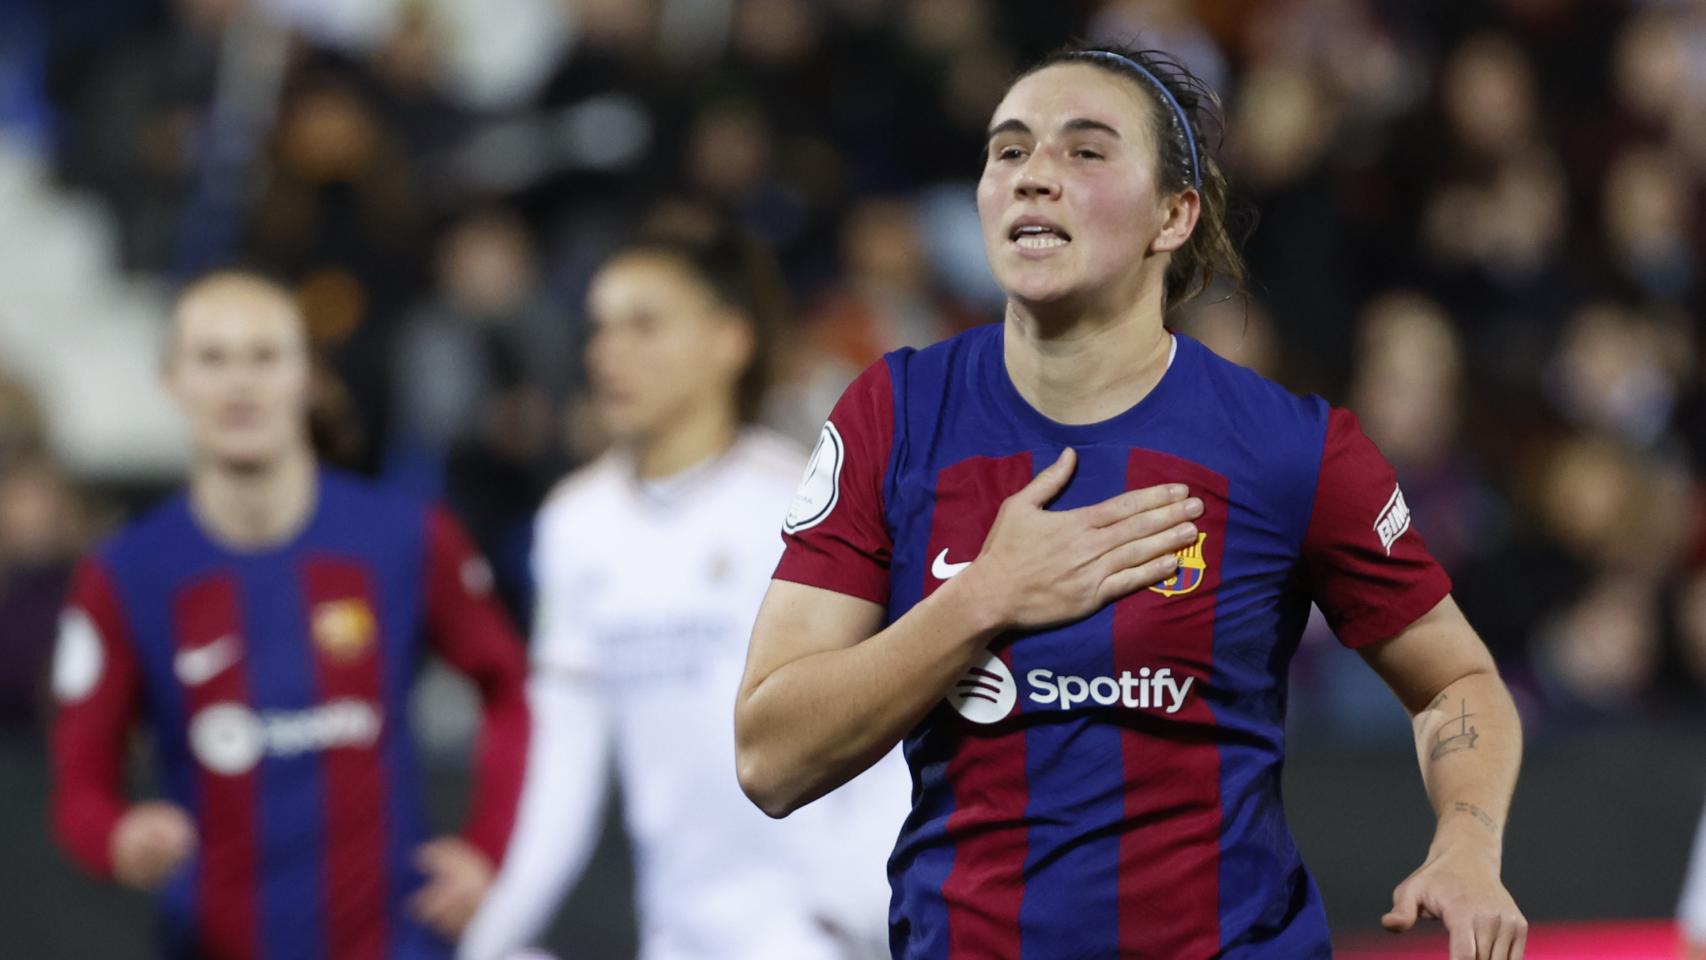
x=820, y=489
x=1394, y=519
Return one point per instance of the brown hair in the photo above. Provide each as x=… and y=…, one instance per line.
x=1211, y=252
x=744, y=276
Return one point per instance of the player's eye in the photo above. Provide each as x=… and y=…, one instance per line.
x=1085, y=153
x=1009, y=152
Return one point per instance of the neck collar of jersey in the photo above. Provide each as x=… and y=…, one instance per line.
x=1117, y=429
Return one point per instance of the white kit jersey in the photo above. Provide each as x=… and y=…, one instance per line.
x=1692, y=911
x=647, y=595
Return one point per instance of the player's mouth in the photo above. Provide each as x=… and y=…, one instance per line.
x=1036, y=234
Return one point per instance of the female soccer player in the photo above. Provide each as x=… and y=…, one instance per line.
x=265, y=627
x=651, y=564
x=1096, y=735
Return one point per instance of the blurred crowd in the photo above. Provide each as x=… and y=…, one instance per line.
x=1479, y=225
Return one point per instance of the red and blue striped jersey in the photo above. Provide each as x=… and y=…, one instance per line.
x=1110, y=787
x=275, y=685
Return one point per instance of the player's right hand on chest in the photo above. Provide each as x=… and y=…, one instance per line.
x=150, y=842
x=1041, y=567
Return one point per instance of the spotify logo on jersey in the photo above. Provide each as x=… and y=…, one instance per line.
x=985, y=693
x=230, y=739
x=227, y=738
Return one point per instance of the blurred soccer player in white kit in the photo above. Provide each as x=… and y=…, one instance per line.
x=1692, y=911
x=650, y=565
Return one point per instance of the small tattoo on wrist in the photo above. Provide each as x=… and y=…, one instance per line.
x=1479, y=814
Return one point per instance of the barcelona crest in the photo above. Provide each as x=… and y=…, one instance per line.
x=344, y=629
x=1188, y=575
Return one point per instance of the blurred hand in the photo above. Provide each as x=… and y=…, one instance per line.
x=1693, y=951
x=1040, y=567
x=150, y=842
x=1463, y=890
x=458, y=875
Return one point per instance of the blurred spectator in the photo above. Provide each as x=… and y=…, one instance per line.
x=1691, y=626
x=1488, y=101
x=23, y=432
x=951, y=50
x=1163, y=25
x=339, y=212
x=482, y=372
x=42, y=531
x=731, y=158
x=133, y=117
x=1238, y=327
x=887, y=298
x=1494, y=246
x=339, y=193
x=1615, y=371
x=1656, y=74
x=1651, y=212
x=1364, y=59
x=1281, y=135
x=608, y=121
x=1601, y=651
x=1408, y=392
x=1611, y=522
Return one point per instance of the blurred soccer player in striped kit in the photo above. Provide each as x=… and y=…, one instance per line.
x=265, y=627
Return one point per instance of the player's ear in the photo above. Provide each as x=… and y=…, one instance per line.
x=737, y=337
x=1179, y=212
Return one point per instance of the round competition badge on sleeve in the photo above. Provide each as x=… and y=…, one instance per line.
x=79, y=659
x=820, y=489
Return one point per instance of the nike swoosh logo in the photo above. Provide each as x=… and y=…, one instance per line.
x=943, y=570
x=201, y=664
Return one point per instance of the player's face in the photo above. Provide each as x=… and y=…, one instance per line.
x=662, y=347
x=239, y=371
x=1068, y=198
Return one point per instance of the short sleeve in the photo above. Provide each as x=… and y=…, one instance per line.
x=834, y=535
x=1366, y=566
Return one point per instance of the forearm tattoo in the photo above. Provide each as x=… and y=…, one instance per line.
x=1457, y=734
x=1479, y=814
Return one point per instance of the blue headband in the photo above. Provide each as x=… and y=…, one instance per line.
x=1166, y=94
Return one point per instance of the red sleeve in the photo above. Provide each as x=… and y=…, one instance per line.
x=470, y=630
x=96, y=685
x=834, y=536
x=1366, y=566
